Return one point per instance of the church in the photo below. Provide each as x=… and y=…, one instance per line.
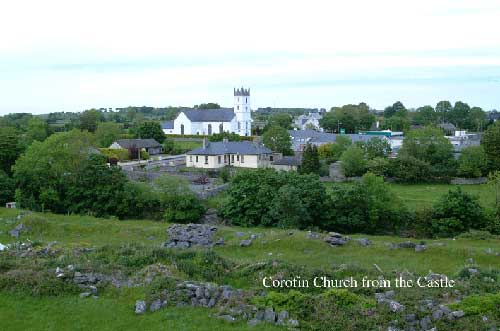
x=210, y=121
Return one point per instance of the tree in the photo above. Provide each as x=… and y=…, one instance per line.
x=409, y=169
x=283, y=120
x=491, y=144
x=397, y=107
x=107, y=133
x=310, y=160
x=151, y=130
x=230, y=136
x=455, y=213
x=278, y=140
x=180, y=204
x=426, y=116
x=477, y=119
x=354, y=162
x=7, y=188
x=89, y=120
x=10, y=148
x=429, y=145
x=210, y=105
x=368, y=206
x=38, y=130
x=377, y=147
x=494, y=183
x=443, y=109
x=459, y=114
x=45, y=171
x=472, y=162
x=98, y=189
x=332, y=152
x=352, y=118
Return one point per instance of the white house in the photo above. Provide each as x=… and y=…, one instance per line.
x=243, y=154
x=209, y=121
x=309, y=121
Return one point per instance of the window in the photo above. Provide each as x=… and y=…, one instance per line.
x=196, y=158
x=219, y=159
x=225, y=159
x=232, y=158
x=242, y=159
x=239, y=126
x=206, y=159
x=238, y=157
x=246, y=99
x=209, y=129
x=221, y=128
x=182, y=129
x=238, y=107
x=270, y=158
x=190, y=158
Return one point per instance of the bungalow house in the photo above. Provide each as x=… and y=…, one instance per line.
x=300, y=138
x=243, y=154
x=151, y=146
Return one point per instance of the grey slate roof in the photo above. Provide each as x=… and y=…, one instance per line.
x=231, y=147
x=313, y=136
x=210, y=115
x=289, y=160
x=167, y=125
x=138, y=143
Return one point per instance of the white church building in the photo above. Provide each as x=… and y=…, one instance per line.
x=209, y=121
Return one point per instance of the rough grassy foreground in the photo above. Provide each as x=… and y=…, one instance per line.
x=35, y=300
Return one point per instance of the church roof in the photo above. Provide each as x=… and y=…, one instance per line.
x=231, y=147
x=210, y=115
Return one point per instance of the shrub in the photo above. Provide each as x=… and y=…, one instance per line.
x=378, y=166
x=457, y=212
x=480, y=304
x=354, y=162
x=409, y=169
x=472, y=162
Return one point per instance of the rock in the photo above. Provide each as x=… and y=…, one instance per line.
x=211, y=303
x=457, y=314
x=219, y=242
x=210, y=217
x=473, y=271
x=246, y=243
x=410, y=318
x=185, y=236
x=240, y=234
x=140, y=307
x=293, y=323
x=155, y=305
x=470, y=260
x=3, y=247
x=395, y=306
x=282, y=317
x=20, y=228
x=290, y=233
x=407, y=244
x=335, y=235
x=420, y=248
x=85, y=294
x=364, y=241
x=313, y=235
x=254, y=322
x=259, y=315
x=488, y=251
x=269, y=316
x=426, y=323
x=228, y=318
x=437, y=314
x=389, y=294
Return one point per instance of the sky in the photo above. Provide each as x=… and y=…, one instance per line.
x=76, y=55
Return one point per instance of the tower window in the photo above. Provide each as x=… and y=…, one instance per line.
x=206, y=159
x=238, y=107
x=219, y=159
x=196, y=158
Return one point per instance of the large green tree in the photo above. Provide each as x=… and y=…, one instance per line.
x=278, y=140
x=38, y=130
x=151, y=130
x=310, y=160
x=283, y=120
x=107, y=133
x=10, y=147
x=472, y=162
x=425, y=116
x=7, y=187
x=397, y=107
x=354, y=161
x=352, y=118
x=459, y=115
x=89, y=120
x=491, y=144
x=443, y=109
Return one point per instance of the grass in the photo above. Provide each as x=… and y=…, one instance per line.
x=418, y=196
x=113, y=310
x=187, y=145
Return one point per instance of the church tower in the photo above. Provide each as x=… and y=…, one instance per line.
x=243, y=112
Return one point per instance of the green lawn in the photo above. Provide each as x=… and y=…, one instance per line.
x=417, y=196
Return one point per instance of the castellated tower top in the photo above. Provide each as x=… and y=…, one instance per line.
x=241, y=92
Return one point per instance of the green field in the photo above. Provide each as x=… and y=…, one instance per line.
x=113, y=310
x=418, y=196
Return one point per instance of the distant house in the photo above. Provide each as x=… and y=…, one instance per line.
x=449, y=128
x=210, y=121
x=149, y=145
x=287, y=163
x=309, y=121
x=243, y=154
x=300, y=138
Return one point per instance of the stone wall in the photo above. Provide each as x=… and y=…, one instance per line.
x=469, y=181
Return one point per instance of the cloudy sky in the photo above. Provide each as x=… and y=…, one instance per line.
x=74, y=55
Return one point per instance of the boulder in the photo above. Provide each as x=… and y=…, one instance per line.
x=185, y=236
x=407, y=244
x=395, y=306
x=228, y=318
x=155, y=305
x=3, y=247
x=313, y=235
x=20, y=228
x=457, y=314
x=269, y=316
x=420, y=248
x=364, y=241
x=246, y=243
x=140, y=307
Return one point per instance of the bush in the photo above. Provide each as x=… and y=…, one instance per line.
x=368, y=207
x=409, y=169
x=354, y=162
x=472, y=162
x=455, y=213
x=480, y=304
x=379, y=166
